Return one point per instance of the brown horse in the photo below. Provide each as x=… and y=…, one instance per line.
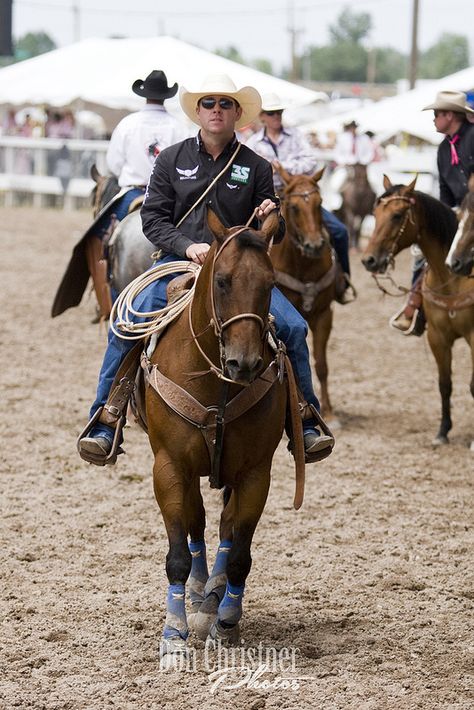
x=215, y=352
x=357, y=200
x=403, y=217
x=461, y=255
x=305, y=267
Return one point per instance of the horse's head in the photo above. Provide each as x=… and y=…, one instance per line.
x=241, y=282
x=461, y=255
x=393, y=213
x=106, y=186
x=301, y=201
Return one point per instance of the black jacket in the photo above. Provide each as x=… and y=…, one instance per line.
x=453, y=178
x=181, y=174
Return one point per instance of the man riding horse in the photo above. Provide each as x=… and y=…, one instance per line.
x=455, y=164
x=288, y=148
x=133, y=147
x=236, y=183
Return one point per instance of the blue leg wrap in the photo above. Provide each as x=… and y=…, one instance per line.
x=217, y=581
x=230, y=608
x=199, y=572
x=176, y=623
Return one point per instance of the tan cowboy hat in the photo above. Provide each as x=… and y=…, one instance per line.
x=247, y=97
x=450, y=101
x=272, y=102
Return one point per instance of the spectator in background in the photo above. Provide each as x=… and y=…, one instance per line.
x=352, y=147
x=9, y=125
x=289, y=148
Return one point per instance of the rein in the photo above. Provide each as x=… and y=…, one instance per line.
x=217, y=324
x=402, y=290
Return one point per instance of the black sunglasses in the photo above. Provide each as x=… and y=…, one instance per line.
x=438, y=113
x=273, y=113
x=223, y=103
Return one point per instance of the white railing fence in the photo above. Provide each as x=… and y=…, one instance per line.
x=48, y=171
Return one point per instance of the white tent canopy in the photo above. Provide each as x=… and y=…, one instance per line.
x=101, y=72
x=401, y=113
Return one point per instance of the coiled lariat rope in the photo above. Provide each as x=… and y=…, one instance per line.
x=155, y=321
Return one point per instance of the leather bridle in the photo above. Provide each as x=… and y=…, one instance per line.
x=218, y=324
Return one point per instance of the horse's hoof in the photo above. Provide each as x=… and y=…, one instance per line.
x=440, y=440
x=223, y=636
x=205, y=617
x=173, y=654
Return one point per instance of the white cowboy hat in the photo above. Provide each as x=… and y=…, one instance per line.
x=272, y=102
x=247, y=97
x=450, y=101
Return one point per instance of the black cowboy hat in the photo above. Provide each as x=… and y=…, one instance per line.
x=155, y=86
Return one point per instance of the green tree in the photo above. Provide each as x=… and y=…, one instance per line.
x=390, y=65
x=448, y=55
x=350, y=27
x=263, y=65
x=231, y=53
x=32, y=44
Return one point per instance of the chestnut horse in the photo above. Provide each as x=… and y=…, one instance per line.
x=461, y=255
x=357, y=200
x=403, y=217
x=216, y=351
x=305, y=267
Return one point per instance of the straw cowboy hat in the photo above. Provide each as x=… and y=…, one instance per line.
x=272, y=102
x=450, y=101
x=247, y=97
x=155, y=86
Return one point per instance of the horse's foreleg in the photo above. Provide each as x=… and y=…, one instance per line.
x=442, y=351
x=250, y=498
x=215, y=586
x=321, y=329
x=169, y=491
x=196, y=525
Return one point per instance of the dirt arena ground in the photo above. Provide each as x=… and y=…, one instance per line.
x=370, y=585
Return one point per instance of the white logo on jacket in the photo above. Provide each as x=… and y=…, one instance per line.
x=188, y=174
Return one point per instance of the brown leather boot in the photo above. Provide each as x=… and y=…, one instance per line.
x=98, y=271
x=411, y=319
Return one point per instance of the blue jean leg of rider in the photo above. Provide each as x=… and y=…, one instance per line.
x=340, y=238
x=119, y=209
x=290, y=327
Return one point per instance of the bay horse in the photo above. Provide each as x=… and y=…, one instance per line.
x=129, y=252
x=305, y=267
x=358, y=200
x=461, y=255
x=216, y=351
x=404, y=216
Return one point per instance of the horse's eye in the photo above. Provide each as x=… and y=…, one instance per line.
x=397, y=216
x=223, y=282
x=295, y=209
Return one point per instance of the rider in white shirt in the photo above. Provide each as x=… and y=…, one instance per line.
x=134, y=145
x=352, y=147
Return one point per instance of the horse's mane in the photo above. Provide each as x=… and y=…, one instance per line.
x=440, y=220
x=111, y=188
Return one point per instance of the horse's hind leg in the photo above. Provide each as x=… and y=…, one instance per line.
x=442, y=351
x=250, y=498
x=216, y=583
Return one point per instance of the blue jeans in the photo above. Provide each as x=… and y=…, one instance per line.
x=290, y=326
x=340, y=238
x=119, y=209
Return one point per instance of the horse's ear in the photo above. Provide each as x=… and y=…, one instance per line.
x=409, y=188
x=387, y=183
x=270, y=225
x=95, y=175
x=284, y=174
x=215, y=225
x=316, y=177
